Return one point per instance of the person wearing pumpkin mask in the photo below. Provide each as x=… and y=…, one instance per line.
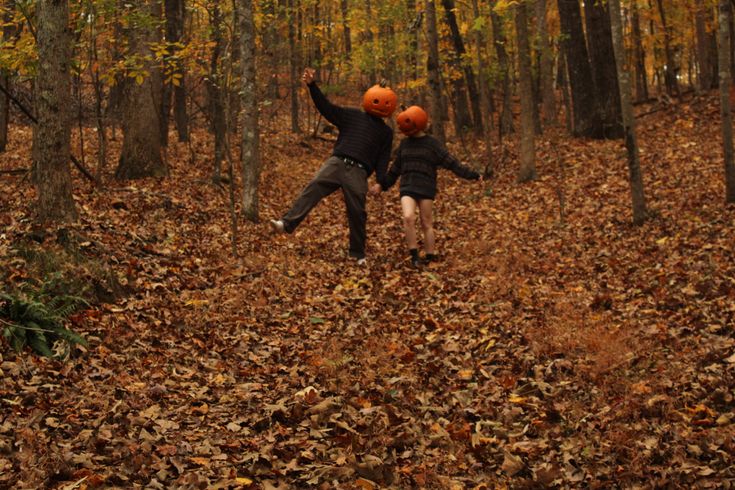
x=363, y=146
x=416, y=162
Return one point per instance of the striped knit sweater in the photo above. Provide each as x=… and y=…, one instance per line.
x=362, y=137
x=416, y=162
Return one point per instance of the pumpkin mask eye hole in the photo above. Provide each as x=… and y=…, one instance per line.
x=376, y=101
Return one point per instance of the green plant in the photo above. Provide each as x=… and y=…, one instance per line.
x=35, y=318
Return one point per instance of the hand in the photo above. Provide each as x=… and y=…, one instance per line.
x=308, y=76
x=375, y=189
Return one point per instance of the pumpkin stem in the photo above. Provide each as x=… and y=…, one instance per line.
x=383, y=82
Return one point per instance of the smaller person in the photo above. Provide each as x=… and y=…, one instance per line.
x=416, y=162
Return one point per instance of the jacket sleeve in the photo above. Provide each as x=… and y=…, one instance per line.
x=395, y=171
x=381, y=168
x=447, y=161
x=331, y=112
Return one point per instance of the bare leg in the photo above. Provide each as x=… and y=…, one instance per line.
x=427, y=225
x=408, y=206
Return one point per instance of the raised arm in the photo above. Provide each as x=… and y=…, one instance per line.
x=331, y=112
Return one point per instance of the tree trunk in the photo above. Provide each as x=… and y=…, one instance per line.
x=639, y=54
x=5, y=77
x=469, y=75
x=500, y=41
x=141, y=151
x=527, y=169
x=51, y=135
x=346, y=32
x=604, y=73
x=432, y=66
x=413, y=50
x=586, y=113
x=724, y=14
x=638, y=197
x=250, y=154
x=488, y=169
x=707, y=60
x=294, y=65
x=563, y=82
x=175, y=12
x=546, y=66
x=216, y=93
x=671, y=69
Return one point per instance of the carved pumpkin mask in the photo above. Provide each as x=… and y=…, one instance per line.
x=412, y=120
x=380, y=101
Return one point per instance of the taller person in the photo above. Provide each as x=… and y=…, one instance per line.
x=363, y=146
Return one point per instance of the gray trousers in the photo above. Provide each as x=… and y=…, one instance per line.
x=333, y=175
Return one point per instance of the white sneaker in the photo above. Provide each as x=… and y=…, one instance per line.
x=362, y=261
x=278, y=226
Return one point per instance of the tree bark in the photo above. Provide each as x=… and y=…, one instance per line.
x=546, y=66
x=499, y=40
x=294, y=65
x=671, y=69
x=604, y=72
x=5, y=78
x=432, y=66
x=706, y=57
x=586, y=113
x=637, y=193
x=489, y=167
x=250, y=151
x=141, y=151
x=639, y=54
x=469, y=75
x=175, y=16
x=527, y=169
x=216, y=93
x=51, y=135
x=346, y=31
x=724, y=14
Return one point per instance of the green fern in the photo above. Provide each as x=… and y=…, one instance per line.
x=36, y=318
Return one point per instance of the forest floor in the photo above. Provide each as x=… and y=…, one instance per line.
x=537, y=352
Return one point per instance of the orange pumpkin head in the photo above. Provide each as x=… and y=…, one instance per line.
x=412, y=120
x=380, y=101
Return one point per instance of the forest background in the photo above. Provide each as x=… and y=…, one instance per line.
x=577, y=331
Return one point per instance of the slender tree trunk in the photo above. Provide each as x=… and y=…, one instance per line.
x=500, y=41
x=724, y=14
x=546, y=66
x=216, y=93
x=294, y=65
x=602, y=56
x=469, y=75
x=250, y=152
x=5, y=77
x=587, y=120
x=432, y=66
x=141, y=152
x=641, y=77
x=563, y=82
x=638, y=197
x=527, y=169
x=707, y=60
x=175, y=13
x=489, y=167
x=671, y=69
x=344, y=6
x=413, y=49
x=51, y=135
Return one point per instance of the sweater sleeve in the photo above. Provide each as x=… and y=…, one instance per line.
x=381, y=168
x=395, y=171
x=448, y=161
x=331, y=112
